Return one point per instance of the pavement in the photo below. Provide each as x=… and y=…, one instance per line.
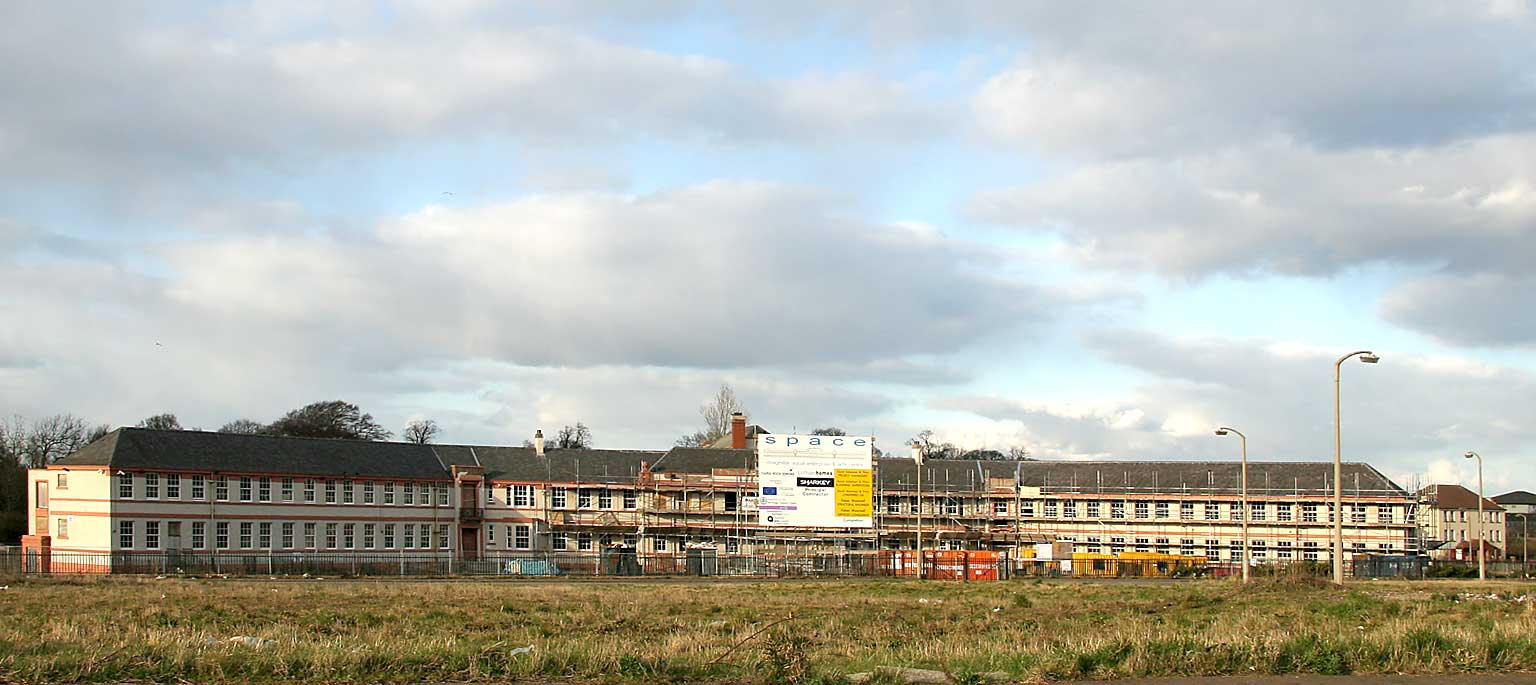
x=1450, y=679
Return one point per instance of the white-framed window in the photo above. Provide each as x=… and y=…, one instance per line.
x=1257, y=510
x=605, y=499
x=368, y=492
x=288, y=533
x=407, y=494
x=199, y=488
x=1309, y=551
x=557, y=498
x=1093, y=511
x=125, y=534
x=287, y=489
x=584, y=541
x=1143, y=544
x=368, y=536
x=1235, y=550
x=1069, y=509
x=1187, y=547
x=309, y=535
x=1186, y=511
x=389, y=536
x=264, y=535
x=63, y=481
x=61, y=528
x=330, y=491
x=1357, y=513
x=584, y=498
x=442, y=536
x=173, y=486
x=1117, y=510
x=349, y=535
x=1162, y=545
x=1116, y=545
x=1213, y=550
x=732, y=546
x=424, y=494
x=490, y=534
x=389, y=493
x=1212, y=511
x=952, y=506
x=330, y=536
x=151, y=486
x=347, y=492
x=442, y=500
x=408, y=540
x=659, y=544
x=999, y=507
x=221, y=535
x=522, y=536
x=1283, y=550
x=309, y=490
x=1143, y=510
x=1162, y=510
x=522, y=495
x=264, y=489
x=246, y=530
x=1309, y=513
x=557, y=541
x=199, y=534
x=245, y=488
x=1283, y=512
x=632, y=499
x=221, y=488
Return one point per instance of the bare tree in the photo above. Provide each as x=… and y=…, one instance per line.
x=420, y=431
x=717, y=418
x=829, y=430
x=1019, y=453
x=161, y=422
x=244, y=427
x=574, y=437
x=933, y=449
x=100, y=431
x=45, y=440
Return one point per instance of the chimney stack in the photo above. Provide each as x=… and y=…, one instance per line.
x=538, y=442
x=738, y=431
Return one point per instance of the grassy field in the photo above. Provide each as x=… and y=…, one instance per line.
x=331, y=631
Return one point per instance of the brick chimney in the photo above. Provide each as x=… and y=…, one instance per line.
x=538, y=442
x=738, y=431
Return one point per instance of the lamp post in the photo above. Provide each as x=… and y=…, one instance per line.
x=1246, y=513
x=1367, y=357
x=917, y=457
x=1482, y=566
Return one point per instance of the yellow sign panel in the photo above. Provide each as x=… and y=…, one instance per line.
x=854, y=492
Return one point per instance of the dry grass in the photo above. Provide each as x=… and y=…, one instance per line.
x=328, y=631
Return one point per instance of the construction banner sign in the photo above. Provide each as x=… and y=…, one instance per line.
x=815, y=481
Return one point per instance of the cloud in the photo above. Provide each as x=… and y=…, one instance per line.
x=777, y=286
x=1488, y=309
x=1403, y=416
x=120, y=96
x=1129, y=81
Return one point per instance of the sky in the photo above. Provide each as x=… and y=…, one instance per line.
x=1094, y=231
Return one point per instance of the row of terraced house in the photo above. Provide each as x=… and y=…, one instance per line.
x=148, y=492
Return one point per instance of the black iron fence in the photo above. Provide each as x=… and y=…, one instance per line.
x=706, y=562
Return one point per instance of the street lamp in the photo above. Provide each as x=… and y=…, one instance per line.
x=1482, y=566
x=1246, y=513
x=917, y=457
x=1367, y=357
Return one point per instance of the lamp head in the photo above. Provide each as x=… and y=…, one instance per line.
x=1221, y=431
x=1370, y=358
x=1470, y=454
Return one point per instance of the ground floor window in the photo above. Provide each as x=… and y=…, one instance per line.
x=522, y=537
x=557, y=541
x=199, y=534
x=584, y=541
x=221, y=535
x=152, y=535
x=245, y=535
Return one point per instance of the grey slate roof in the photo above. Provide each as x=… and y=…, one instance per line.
x=1516, y=497
x=143, y=449
x=140, y=448
x=1278, y=478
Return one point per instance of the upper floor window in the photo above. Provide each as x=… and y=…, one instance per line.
x=287, y=490
x=173, y=486
x=63, y=481
x=125, y=486
x=368, y=492
x=309, y=491
x=557, y=498
x=264, y=490
x=631, y=499
x=605, y=499
x=221, y=489
x=1143, y=510
x=522, y=495
x=347, y=492
x=245, y=488
x=151, y=486
x=199, y=488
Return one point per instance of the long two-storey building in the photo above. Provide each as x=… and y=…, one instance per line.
x=180, y=493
